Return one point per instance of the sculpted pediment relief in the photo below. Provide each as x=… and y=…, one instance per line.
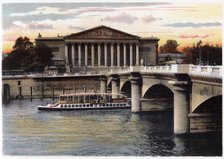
x=102, y=32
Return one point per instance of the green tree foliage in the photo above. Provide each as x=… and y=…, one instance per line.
x=23, y=43
x=210, y=55
x=27, y=57
x=169, y=47
x=41, y=57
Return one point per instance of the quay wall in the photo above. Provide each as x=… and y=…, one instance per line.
x=49, y=87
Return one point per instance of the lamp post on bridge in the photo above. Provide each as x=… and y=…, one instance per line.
x=199, y=46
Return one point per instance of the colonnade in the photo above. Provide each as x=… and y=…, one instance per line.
x=108, y=54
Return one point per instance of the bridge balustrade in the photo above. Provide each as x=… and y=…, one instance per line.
x=208, y=71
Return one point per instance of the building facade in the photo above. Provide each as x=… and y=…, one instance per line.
x=102, y=47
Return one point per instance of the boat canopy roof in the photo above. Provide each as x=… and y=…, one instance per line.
x=88, y=94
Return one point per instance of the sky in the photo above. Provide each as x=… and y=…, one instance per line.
x=187, y=22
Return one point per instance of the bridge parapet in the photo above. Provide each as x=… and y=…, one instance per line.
x=149, y=69
x=166, y=69
x=207, y=71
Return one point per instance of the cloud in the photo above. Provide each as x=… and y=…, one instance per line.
x=45, y=10
x=32, y=25
x=76, y=27
x=40, y=26
x=95, y=9
x=193, y=36
x=9, y=37
x=121, y=18
x=150, y=19
x=194, y=25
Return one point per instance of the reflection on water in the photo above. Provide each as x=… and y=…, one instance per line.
x=27, y=131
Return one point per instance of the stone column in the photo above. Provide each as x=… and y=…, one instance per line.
x=73, y=55
x=112, y=54
x=86, y=55
x=103, y=84
x=92, y=54
x=181, y=107
x=79, y=55
x=125, y=51
x=105, y=54
x=114, y=87
x=99, y=55
x=135, y=94
x=118, y=54
x=131, y=55
x=137, y=55
x=66, y=53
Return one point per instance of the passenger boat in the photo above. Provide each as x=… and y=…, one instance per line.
x=83, y=101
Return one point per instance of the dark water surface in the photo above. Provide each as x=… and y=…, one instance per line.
x=27, y=131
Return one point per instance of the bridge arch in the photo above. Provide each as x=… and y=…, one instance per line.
x=6, y=92
x=212, y=105
x=158, y=97
x=109, y=81
x=158, y=90
x=207, y=116
x=125, y=88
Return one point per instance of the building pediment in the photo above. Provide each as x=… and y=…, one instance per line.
x=101, y=32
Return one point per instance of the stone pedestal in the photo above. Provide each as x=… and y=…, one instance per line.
x=114, y=87
x=103, y=84
x=135, y=95
x=181, y=107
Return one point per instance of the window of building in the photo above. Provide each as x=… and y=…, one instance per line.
x=19, y=82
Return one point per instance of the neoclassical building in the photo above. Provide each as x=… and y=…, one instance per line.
x=102, y=46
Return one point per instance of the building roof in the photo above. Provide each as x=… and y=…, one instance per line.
x=99, y=32
x=60, y=38
x=102, y=32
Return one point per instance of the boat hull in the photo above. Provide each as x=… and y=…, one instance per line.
x=68, y=107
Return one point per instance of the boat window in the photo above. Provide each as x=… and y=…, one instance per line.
x=69, y=106
x=61, y=106
x=65, y=106
x=76, y=105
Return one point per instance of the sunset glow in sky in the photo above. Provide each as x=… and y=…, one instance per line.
x=185, y=22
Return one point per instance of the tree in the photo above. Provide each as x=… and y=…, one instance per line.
x=210, y=55
x=42, y=56
x=20, y=56
x=169, y=47
x=23, y=43
x=27, y=57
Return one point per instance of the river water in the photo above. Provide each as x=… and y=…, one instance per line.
x=27, y=131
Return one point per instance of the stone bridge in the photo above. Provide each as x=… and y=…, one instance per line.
x=194, y=93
